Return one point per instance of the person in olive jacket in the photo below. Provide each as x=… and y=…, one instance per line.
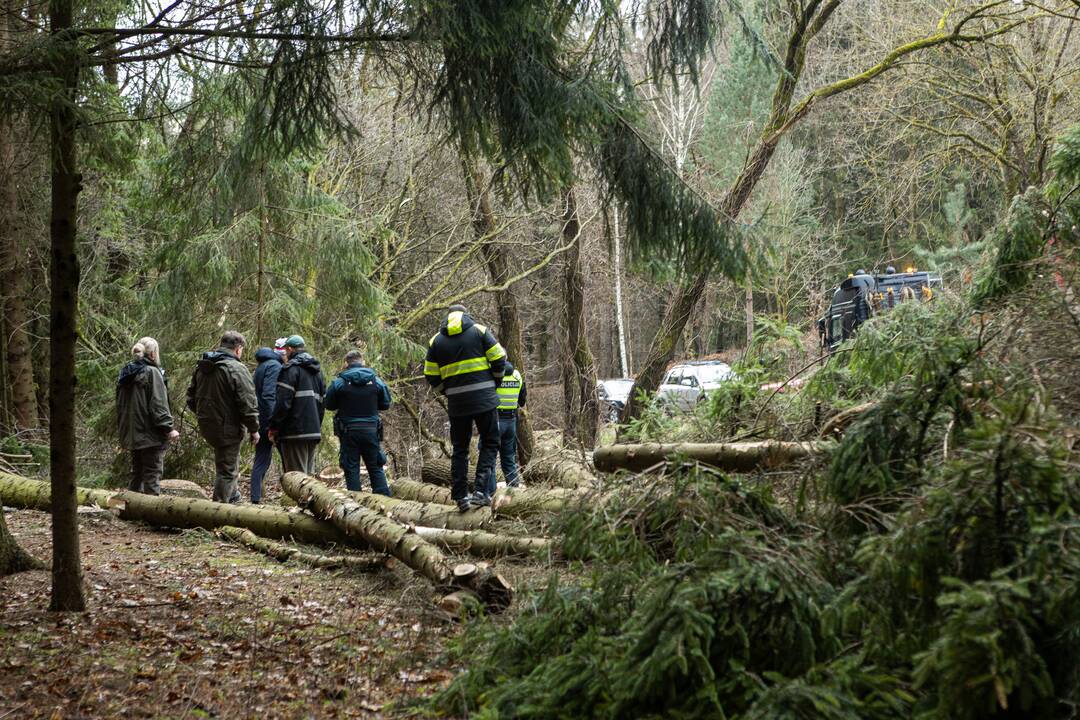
x=222, y=397
x=296, y=424
x=144, y=421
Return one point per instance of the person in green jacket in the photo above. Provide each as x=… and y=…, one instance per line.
x=144, y=421
x=222, y=396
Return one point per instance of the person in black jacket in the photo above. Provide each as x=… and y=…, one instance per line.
x=296, y=425
x=265, y=379
x=465, y=362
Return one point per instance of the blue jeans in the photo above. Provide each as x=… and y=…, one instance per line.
x=264, y=456
x=361, y=441
x=508, y=448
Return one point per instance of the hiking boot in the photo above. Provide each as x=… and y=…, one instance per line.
x=480, y=499
x=464, y=504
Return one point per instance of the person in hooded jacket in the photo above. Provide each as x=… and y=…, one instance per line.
x=357, y=394
x=296, y=423
x=144, y=421
x=265, y=380
x=465, y=363
x=222, y=397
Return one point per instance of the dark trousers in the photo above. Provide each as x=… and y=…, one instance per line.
x=264, y=457
x=147, y=466
x=508, y=447
x=299, y=455
x=360, y=441
x=487, y=426
x=227, y=462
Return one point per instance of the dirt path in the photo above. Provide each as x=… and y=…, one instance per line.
x=182, y=625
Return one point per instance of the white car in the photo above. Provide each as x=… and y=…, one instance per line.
x=686, y=385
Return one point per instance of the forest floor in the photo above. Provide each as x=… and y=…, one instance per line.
x=184, y=625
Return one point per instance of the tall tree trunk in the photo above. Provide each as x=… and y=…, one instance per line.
x=510, y=333
x=579, y=369
x=616, y=244
x=67, y=589
x=19, y=371
x=748, y=308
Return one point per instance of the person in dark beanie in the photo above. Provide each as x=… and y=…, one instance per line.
x=144, y=421
x=265, y=380
x=358, y=395
x=296, y=424
x=465, y=362
x=222, y=397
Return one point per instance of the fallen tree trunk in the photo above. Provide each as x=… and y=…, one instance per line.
x=557, y=472
x=284, y=553
x=510, y=502
x=838, y=423
x=411, y=512
x=13, y=558
x=732, y=457
x=483, y=544
x=31, y=494
x=265, y=521
x=391, y=537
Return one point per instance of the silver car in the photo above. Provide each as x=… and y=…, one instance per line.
x=686, y=385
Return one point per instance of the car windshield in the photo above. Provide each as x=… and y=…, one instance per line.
x=713, y=373
x=617, y=389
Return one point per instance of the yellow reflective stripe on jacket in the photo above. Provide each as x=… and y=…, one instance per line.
x=464, y=366
x=508, y=391
x=453, y=323
x=494, y=352
x=431, y=368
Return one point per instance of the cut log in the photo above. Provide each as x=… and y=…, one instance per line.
x=559, y=472
x=732, y=457
x=183, y=488
x=508, y=502
x=391, y=537
x=562, y=472
x=262, y=520
x=838, y=423
x=409, y=512
x=284, y=553
x=483, y=544
x=461, y=604
x=31, y=494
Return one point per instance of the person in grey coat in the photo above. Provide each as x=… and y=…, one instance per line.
x=222, y=397
x=144, y=421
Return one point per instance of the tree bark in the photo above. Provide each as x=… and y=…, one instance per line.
x=13, y=558
x=411, y=512
x=558, y=472
x=510, y=326
x=67, y=588
x=579, y=368
x=284, y=553
x=19, y=370
x=508, y=502
x=31, y=494
x=483, y=544
x=732, y=457
x=616, y=244
x=379, y=531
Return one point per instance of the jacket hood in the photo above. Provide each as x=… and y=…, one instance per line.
x=214, y=357
x=131, y=371
x=264, y=353
x=456, y=323
x=357, y=375
x=305, y=361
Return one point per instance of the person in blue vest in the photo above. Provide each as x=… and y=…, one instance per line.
x=358, y=395
x=512, y=395
x=265, y=378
